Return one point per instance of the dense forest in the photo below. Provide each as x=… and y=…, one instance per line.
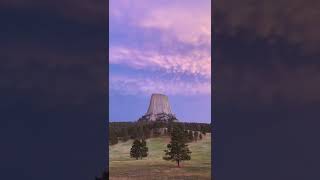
x=123, y=131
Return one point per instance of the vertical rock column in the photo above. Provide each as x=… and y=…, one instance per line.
x=159, y=103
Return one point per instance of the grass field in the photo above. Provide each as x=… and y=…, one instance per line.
x=122, y=167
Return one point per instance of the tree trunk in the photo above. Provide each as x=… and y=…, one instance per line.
x=178, y=164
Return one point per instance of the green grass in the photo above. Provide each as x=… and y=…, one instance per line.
x=122, y=167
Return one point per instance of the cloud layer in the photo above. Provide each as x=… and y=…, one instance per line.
x=197, y=63
x=156, y=37
x=137, y=85
x=194, y=28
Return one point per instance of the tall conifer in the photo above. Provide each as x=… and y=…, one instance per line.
x=177, y=150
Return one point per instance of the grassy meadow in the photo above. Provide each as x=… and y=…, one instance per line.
x=122, y=167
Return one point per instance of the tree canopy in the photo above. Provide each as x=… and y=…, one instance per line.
x=177, y=150
x=139, y=149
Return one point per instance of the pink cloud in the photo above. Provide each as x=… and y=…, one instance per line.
x=189, y=25
x=195, y=62
x=189, y=21
x=138, y=85
x=179, y=27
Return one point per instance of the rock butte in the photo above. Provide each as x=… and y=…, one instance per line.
x=159, y=103
x=159, y=109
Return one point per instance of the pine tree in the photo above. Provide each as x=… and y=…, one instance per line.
x=144, y=149
x=139, y=149
x=203, y=130
x=177, y=150
x=135, y=151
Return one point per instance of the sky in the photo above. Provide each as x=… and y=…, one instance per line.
x=160, y=47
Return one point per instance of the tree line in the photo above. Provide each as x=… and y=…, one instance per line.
x=123, y=131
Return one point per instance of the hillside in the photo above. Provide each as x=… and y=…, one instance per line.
x=121, y=166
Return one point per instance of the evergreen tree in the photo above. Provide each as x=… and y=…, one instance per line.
x=203, y=130
x=135, y=151
x=144, y=149
x=177, y=150
x=157, y=125
x=196, y=135
x=139, y=149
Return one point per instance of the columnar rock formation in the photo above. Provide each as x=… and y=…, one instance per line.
x=159, y=103
x=159, y=109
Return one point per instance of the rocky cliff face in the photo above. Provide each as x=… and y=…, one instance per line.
x=159, y=109
x=159, y=103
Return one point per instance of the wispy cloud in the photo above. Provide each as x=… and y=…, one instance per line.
x=137, y=85
x=196, y=62
x=163, y=37
x=193, y=28
x=190, y=23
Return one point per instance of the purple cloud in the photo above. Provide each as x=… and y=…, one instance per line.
x=137, y=85
x=196, y=62
x=165, y=38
